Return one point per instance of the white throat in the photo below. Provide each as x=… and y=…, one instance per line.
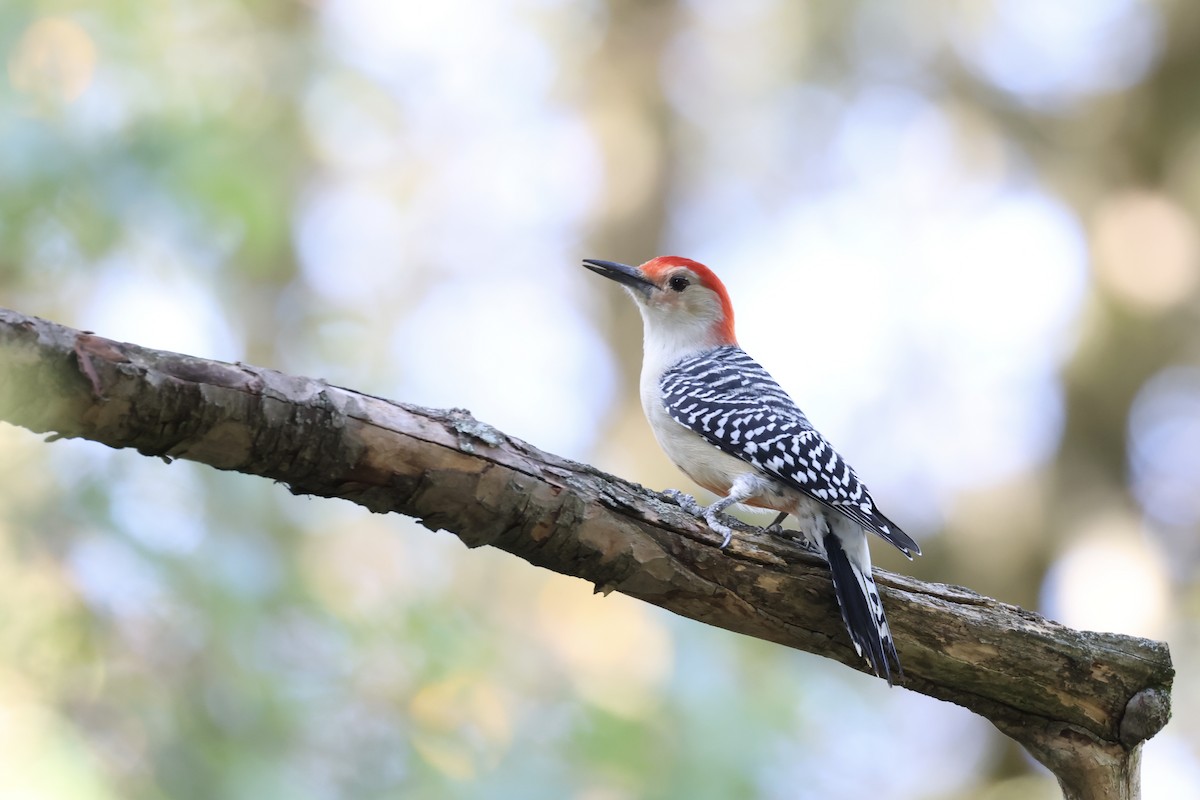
x=671, y=337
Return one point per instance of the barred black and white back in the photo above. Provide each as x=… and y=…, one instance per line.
x=728, y=398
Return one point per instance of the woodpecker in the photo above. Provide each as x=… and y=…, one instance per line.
x=727, y=425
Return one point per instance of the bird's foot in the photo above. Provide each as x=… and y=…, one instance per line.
x=685, y=501
x=800, y=538
x=713, y=518
x=719, y=523
x=726, y=525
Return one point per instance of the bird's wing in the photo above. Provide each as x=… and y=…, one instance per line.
x=735, y=404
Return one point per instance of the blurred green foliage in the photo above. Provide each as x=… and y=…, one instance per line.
x=174, y=632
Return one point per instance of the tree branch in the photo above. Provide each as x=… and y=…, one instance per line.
x=1082, y=703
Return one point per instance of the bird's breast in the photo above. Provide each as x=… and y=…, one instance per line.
x=705, y=463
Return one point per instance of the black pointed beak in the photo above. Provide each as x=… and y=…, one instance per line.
x=621, y=273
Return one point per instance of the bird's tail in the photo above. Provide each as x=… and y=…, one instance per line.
x=862, y=607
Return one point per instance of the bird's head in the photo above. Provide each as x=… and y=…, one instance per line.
x=680, y=299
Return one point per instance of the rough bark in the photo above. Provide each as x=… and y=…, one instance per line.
x=1082, y=703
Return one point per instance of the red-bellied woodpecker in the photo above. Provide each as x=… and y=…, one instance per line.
x=729, y=427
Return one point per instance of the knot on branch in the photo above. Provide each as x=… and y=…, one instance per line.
x=1145, y=715
x=470, y=428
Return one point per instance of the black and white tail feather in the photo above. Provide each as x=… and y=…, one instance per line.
x=729, y=399
x=862, y=609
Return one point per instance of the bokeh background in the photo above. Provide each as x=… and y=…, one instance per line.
x=963, y=234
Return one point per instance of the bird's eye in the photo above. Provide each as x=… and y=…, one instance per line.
x=678, y=283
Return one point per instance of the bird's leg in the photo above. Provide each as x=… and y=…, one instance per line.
x=713, y=516
x=691, y=506
x=744, y=487
x=811, y=527
x=798, y=537
x=709, y=513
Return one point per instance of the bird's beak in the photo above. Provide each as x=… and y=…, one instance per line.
x=621, y=273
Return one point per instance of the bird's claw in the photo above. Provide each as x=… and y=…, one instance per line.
x=799, y=538
x=720, y=524
x=725, y=525
x=721, y=528
x=685, y=501
x=689, y=504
